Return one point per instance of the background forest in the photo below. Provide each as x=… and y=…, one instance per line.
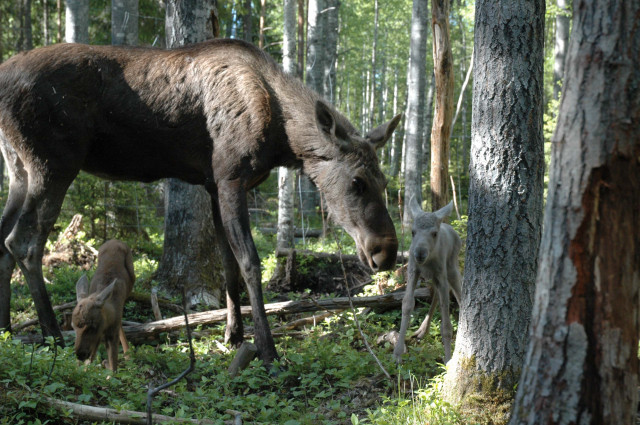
x=368, y=89
x=327, y=374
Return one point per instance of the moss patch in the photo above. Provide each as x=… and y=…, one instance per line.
x=483, y=397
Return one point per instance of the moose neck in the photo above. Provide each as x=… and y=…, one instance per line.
x=306, y=142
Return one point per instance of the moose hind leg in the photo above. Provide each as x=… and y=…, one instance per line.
x=10, y=214
x=27, y=240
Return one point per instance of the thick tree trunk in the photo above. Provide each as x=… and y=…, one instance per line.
x=124, y=22
x=190, y=257
x=414, y=124
x=563, y=24
x=505, y=204
x=582, y=361
x=76, y=28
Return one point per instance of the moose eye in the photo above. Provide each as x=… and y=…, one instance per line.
x=413, y=233
x=357, y=185
x=434, y=234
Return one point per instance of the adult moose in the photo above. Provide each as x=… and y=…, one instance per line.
x=221, y=114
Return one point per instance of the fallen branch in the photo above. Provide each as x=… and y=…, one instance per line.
x=144, y=331
x=311, y=320
x=285, y=252
x=31, y=322
x=90, y=413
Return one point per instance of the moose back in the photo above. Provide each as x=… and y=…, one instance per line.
x=220, y=114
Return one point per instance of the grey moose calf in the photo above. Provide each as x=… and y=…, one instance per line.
x=433, y=255
x=98, y=315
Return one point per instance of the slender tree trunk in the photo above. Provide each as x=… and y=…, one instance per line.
x=315, y=80
x=45, y=23
x=374, y=48
x=124, y=22
x=247, y=25
x=286, y=176
x=59, y=14
x=263, y=7
x=301, y=21
x=190, y=257
x=414, y=124
x=560, y=49
x=441, y=128
x=582, y=362
x=76, y=21
x=330, y=29
x=26, y=27
x=428, y=120
x=505, y=204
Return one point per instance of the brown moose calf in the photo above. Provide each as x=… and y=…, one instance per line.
x=98, y=314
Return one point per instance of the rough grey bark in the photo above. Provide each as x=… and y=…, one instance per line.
x=124, y=22
x=286, y=177
x=414, y=123
x=505, y=203
x=582, y=364
x=563, y=23
x=190, y=257
x=76, y=23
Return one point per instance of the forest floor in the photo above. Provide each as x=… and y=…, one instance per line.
x=325, y=374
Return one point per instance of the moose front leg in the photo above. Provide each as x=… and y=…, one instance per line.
x=232, y=202
x=408, y=303
x=234, y=332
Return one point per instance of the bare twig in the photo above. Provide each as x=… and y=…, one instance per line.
x=192, y=357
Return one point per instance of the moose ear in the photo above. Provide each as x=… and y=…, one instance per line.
x=325, y=120
x=105, y=294
x=379, y=135
x=444, y=211
x=82, y=288
x=414, y=207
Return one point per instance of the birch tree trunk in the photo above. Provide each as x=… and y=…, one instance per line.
x=315, y=80
x=76, y=25
x=414, y=123
x=190, y=257
x=124, y=22
x=505, y=204
x=582, y=360
x=286, y=176
x=441, y=128
x=560, y=49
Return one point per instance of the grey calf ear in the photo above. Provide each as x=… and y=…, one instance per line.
x=82, y=288
x=105, y=293
x=379, y=135
x=414, y=207
x=444, y=211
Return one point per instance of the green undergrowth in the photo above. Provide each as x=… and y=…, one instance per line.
x=324, y=376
